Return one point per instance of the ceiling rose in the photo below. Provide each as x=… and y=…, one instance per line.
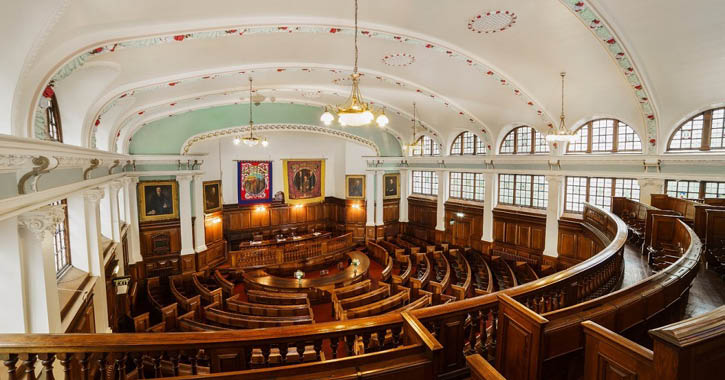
x=492, y=21
x=399, y=59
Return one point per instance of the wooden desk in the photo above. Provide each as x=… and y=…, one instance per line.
x=284, y=241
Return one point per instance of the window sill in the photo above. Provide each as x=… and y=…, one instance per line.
x=70, y=286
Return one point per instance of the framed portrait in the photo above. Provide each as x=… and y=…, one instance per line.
x=212, y=196
x=304, y=181
x=254, y=182
x=158, y=200
x=391, y=186
x=355, y=186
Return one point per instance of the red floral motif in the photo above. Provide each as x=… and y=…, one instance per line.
x=231, y=31
x=98, y=122
x=140, y=112
x=123, y=96
x=334, y=30
x=97, y=50
x=611, y=41
x=503, y=81
x=429, y=46
x=579, y=4
x=48, y=92
x=280, y=70
x=282, y=28
x=530, y=103
x=179, y=37
x=172, y=104
x=172, y=84
x=652, y=141
x=651, y=117
x=489, y=72
x=638, y=87
x=556, y=145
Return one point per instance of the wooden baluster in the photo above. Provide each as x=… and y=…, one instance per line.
x=475, y=320
x=485, y=338
x=29, y=364
x=494, y=328
x=350, y=342
x=283, y=352
x=157, y=363
x=65, y=361
x=301, y=351
x=47, y=361
x=174, y=356
x=102, y=366
x=318, y=348
x=366, y=342
x=138, y=361
x=381, y=338
x=334, y=344
x=121, y=366
x=266, y=349
x=10, y=361
x=83, y=363
x=192, y=356
x=395, y=331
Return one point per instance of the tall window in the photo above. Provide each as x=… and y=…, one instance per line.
x=425, y=182
x=605, y=135
x=467, y=186
x=695, y=189
x=467, y=143
x=426, y=146
x=523, y=190
x=524, y=140
x=703, y=132
x=61, y=241
x=52, y=114
x=598, y=191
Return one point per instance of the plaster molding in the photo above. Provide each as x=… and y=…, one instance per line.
x=185, y=178
x=261, y=128
x=94, y=195
x=43, y=221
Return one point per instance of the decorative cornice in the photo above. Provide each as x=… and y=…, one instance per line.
x=226, y=132
x=15, y=161
x=42, y=221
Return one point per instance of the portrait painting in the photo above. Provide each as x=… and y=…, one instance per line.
x=255, y=182
x=158, y=200
x=212, y=196
x=355, y=186
x=391, y=186
x=304, y=181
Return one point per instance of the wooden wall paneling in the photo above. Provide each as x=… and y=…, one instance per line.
x=213, y=227
x=519, y=338
x=188, y=263
x=611, y=356
x=519, y=232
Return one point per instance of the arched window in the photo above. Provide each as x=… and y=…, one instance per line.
x=426, y=146
x=703, y=132
x=605, y=135
x=52, y=114
x=524, y=140
x=467, y=143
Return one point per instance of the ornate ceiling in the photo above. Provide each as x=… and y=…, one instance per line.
x=484, y=66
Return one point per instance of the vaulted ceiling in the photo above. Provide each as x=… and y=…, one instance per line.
x=484, y=66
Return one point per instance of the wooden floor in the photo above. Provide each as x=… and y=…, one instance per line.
x=707, y=292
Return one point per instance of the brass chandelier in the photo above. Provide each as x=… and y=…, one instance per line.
x=415, y=144
x=562, y=134
x=251, y=140
x=355, y=111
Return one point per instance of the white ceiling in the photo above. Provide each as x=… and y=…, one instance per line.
x=675, y=50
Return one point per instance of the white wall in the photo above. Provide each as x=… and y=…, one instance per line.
x=342, y=157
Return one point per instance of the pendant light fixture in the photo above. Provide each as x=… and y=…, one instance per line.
x=415, y=144
x=251, y=140
x=562, y=134
x=355, y=111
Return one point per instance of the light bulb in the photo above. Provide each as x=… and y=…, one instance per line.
x=327, y=118
x=382, y=120
x=237, y=140
x=265, y=143
x=368, y=116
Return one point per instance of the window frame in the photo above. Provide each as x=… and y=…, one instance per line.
x=460, y=185
x=532, y=141
x=477, y=145
x=434, y=146
x=615, y=138
x=62, y=228
x=532, y=192
x=53, y=125
x=433, y=182
x=705, y=137
x=702, y=187
x=588, y=193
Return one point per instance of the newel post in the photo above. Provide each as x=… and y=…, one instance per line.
x=519, y=340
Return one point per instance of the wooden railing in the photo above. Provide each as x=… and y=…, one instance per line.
x=289, y=253
x=461, y=327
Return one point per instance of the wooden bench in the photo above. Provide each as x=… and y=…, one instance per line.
x=270, y=298
x=181, y=286
x=207, y=295
x=380, y=307
x=234, y=304
x=339, y=306
x=351, y=290
x=229, y=319
x=403, y=277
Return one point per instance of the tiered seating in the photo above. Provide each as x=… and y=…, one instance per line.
x=482, y=276
x=269, y=298
x=209, y=290
x=461, y=270
x=235, y=304
x=183, y=289
x=340, y=306
x=409, y=247
x=350, y=290
x=382, y=257
x=226, y=278
x=164, y=309
x=524, y=272
x=422, y=271
x=392, y=249
x=505, y=277
x=441, y=270
x=404, y=269
x=382, y=306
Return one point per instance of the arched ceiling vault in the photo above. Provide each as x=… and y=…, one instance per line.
x=495, y=61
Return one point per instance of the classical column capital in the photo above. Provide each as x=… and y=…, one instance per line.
x=198, y=177
x=115, y=186
x=184, y=177
x=650, y=182
x=43, y=220
x=93, y=195
x=554, y=178
x=129, y=180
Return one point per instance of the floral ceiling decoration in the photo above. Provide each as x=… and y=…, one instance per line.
x=399, y=59
x=492, y=21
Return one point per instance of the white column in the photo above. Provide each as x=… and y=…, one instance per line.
x=489, y=202
x=370, y=197
x=379, y=187
x=134, y=244
x=403, y=206
x=199, y=231
x=649, y=186
x=187, y=241
x=442, y=197
x=105, y=214
x=553, y=212
x=39, y=286
x=92, y=199
x=113, y=190
x=12, y=313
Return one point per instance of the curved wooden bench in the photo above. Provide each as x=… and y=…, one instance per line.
x=269, y=298
x=229, y=319
x=360, y=300
x=403, y=277
x=202, y=286
x=462, y=268
x=380, y=307
x=441, y=265
x=234, y=304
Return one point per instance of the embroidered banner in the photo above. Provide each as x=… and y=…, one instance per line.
x=304, y=181
x=254, y=182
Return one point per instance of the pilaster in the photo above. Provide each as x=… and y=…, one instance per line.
x=199, y=229
x=553, y=212
x=187, y=240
